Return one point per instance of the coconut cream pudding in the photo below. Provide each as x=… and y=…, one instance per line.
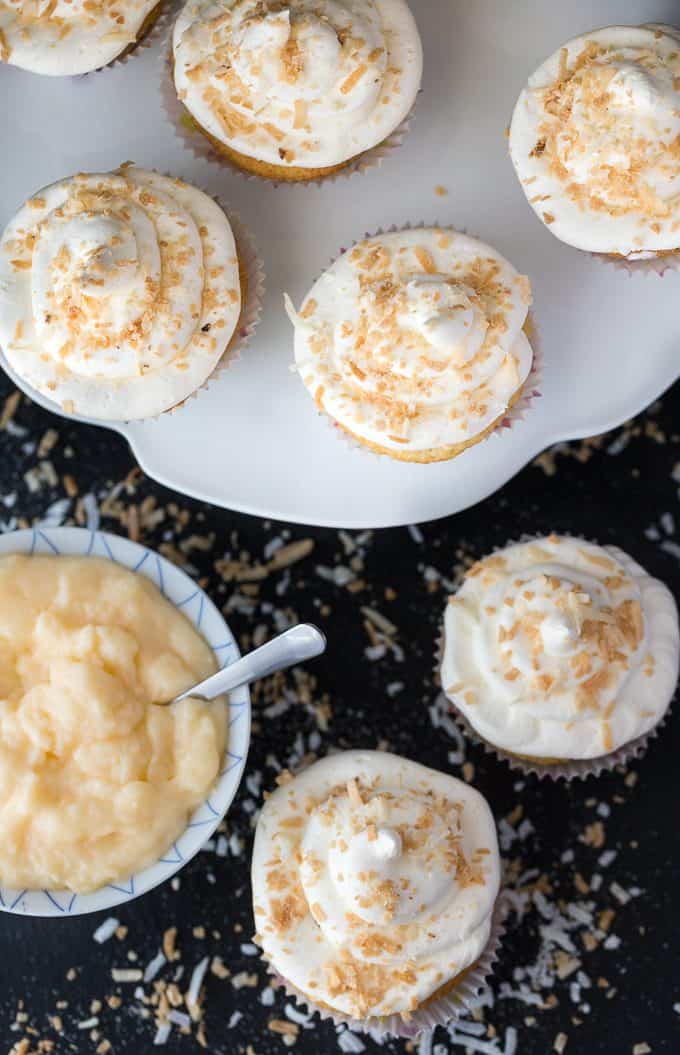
x=119, y=292
x=414, y=342
x=299, y=88
x=374, y=883
x=595, y=141
x=558, y=649
x=96, y=782
x=67, y=37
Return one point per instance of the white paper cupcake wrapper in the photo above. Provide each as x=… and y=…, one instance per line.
x=251, y=310
x=531, y=389
x=440, y=1012
x=196, y=142
x=656, y=265
x=576, y=769
x=579, y=769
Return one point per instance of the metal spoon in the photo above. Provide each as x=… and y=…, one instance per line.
x=296, y=645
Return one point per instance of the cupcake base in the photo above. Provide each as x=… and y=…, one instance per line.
x=446, y=1005
x=265, y=170
x=655, y=264
x=434, y=454
x=561, y=769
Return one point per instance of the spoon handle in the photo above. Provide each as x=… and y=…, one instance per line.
x=296, y=645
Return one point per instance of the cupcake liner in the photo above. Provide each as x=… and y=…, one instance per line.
x=654, y=265
x=530, y=390
x=194, y=140
x=578, y=769
x=441, y=1011
x=569, y=769
x=251, y=309
x=157, y=31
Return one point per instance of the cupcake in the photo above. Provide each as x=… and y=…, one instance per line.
x=414, y=342
x=558, y=651
x=120, y=292
x=374, y=885
x=61, y=38
x=594, y=140
x=296, y=90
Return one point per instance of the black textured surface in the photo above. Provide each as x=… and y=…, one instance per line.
x=624, y=488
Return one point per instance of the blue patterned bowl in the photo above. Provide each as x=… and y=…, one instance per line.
x=199, y=609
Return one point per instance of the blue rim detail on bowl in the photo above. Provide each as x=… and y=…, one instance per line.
x=185, y=595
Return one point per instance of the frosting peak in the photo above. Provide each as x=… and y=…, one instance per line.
x=298, y=54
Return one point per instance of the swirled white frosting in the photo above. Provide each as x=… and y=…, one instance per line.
x=560, y=649
x=413, y=341
x=119, y=292
x=304, y=83
x=374, y=882
x=595, y=140
x=68, y=37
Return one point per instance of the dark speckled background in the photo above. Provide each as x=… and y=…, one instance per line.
x=620, y=984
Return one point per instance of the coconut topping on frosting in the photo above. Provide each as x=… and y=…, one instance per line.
x=414, y=340
x=119, y=292
x=308, y=83
x=560, y=649
x=62, y=37
x=595, y=139
x=374, y=882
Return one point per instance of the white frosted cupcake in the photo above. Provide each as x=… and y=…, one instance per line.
x=296, y=90
x=560, y=651
x=120, y=292
x=63, y=38
x=374, y=885
x=594, y=139
x=414, y=342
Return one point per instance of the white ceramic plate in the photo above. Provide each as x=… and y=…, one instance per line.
x=199, y=609
x=254, y=442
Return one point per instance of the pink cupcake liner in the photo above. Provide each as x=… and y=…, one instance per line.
x=440, y=1012
x=195, y=141
x=570, y=769
x=531, y=389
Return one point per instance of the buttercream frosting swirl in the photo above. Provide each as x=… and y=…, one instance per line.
x=560, y=649
x=69, y=37
x=595, y=140
x=374, y=881
x=305, y=83
x=414, y=340
x=119, y=292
